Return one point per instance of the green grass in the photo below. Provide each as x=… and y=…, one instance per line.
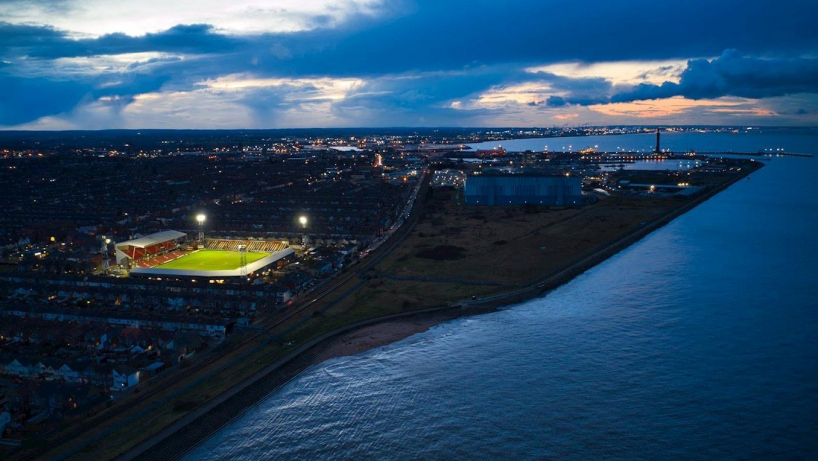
x=211, y=260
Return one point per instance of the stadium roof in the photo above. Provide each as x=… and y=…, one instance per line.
x=153, y=239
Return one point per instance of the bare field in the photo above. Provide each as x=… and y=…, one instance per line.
x=512, y=244
x=498, y=248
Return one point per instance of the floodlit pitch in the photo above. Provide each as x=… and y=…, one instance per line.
x=211, y=260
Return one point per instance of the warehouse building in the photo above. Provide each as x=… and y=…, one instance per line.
x=490, y=189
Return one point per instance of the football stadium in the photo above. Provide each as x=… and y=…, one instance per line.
x=208, y=260
x=166, y=254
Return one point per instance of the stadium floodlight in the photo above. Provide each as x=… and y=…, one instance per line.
x=201, y=219
x=303, y=220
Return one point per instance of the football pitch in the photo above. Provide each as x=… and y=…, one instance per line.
x=211, y=260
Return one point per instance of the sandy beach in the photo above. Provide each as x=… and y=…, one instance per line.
x=381, y=334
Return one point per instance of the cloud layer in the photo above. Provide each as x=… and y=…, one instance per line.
x=404, y=62
x=732, y=74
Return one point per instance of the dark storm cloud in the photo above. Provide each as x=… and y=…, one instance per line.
x=733, y=75
x=26, y=99
x=47, y=43
x=456, y=51
x=556, y=101
x=15, y=38
x=576, y=91
x=445, y=35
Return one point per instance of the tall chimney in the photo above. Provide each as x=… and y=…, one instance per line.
x=658, y=149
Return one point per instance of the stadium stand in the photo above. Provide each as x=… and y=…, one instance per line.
x=252, y=245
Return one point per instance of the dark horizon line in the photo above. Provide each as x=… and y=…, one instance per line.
x=155, y=130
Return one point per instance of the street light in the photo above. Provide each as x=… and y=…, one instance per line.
x=201, y=219
x=303, y=220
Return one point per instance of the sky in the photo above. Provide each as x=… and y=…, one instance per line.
x=206, y=64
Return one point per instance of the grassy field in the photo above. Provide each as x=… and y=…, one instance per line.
x=211, y=260
x=499, y=245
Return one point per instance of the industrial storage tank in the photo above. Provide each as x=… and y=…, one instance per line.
x=491, y=189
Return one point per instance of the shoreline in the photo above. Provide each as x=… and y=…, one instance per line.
x=199, y=425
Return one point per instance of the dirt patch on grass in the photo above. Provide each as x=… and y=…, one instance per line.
x=512, y=244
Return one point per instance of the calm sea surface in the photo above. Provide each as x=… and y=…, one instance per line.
x=700, y=341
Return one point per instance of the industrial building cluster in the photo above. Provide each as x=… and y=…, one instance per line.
x=497, y=189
